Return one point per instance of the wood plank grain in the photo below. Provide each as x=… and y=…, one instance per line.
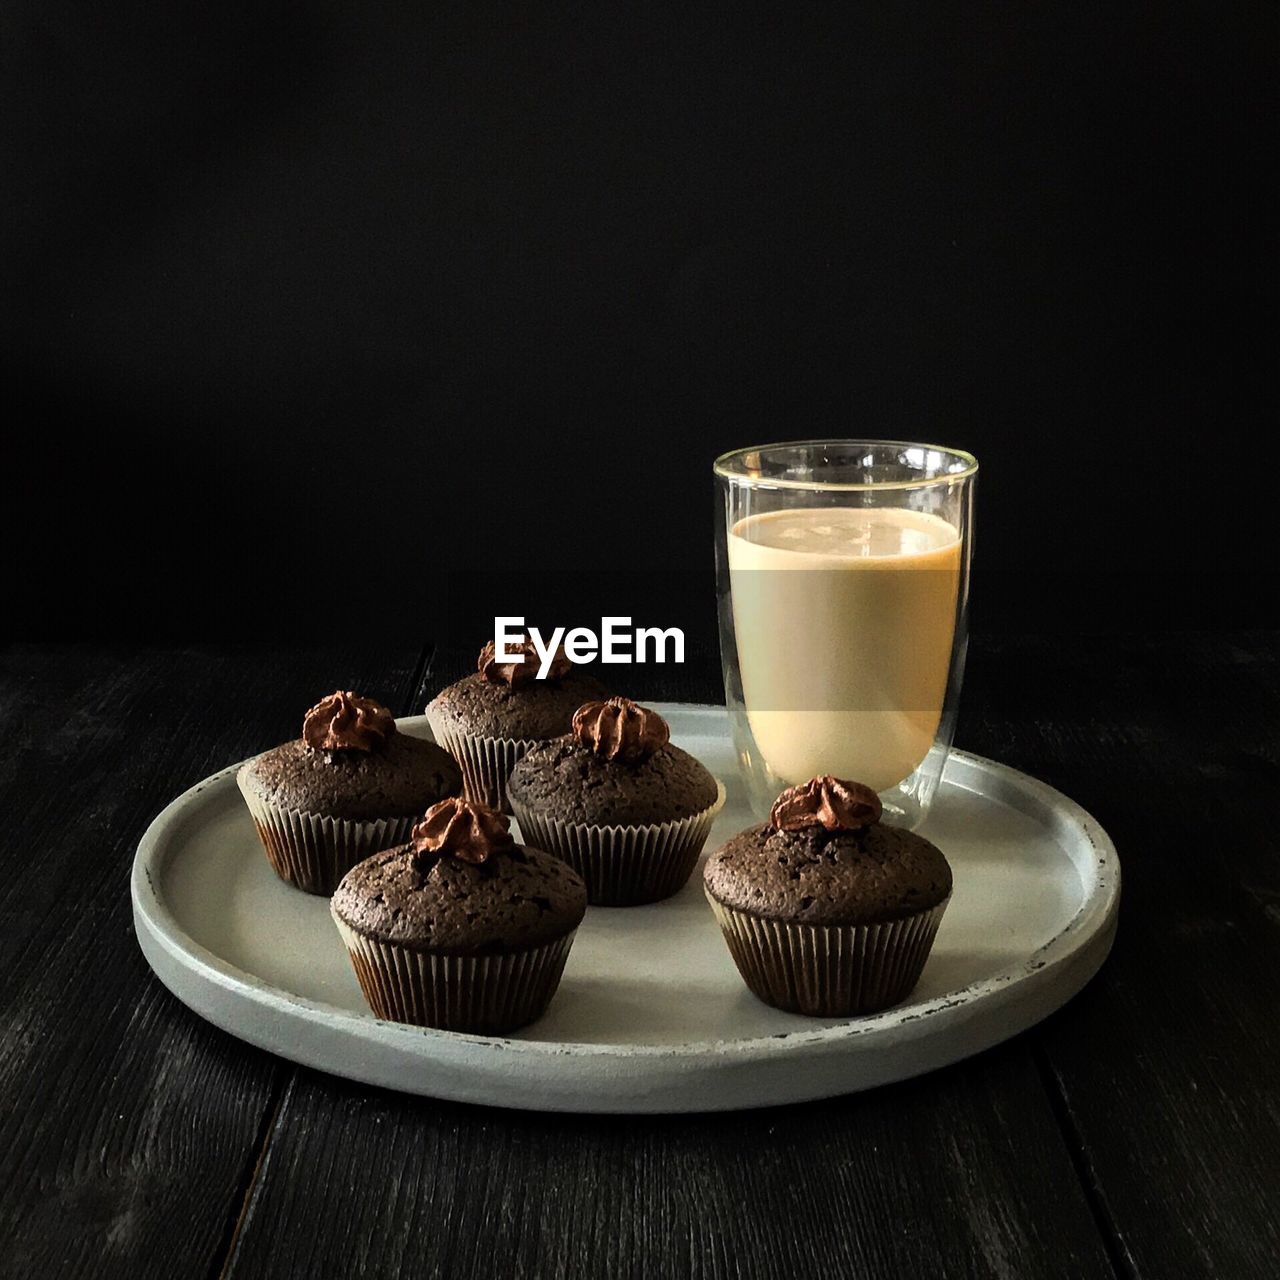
x=129, y=1128
x=962, y=1174
x=1166, y=1064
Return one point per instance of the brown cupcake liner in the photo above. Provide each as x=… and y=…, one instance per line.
x=486, y=763
x=829, y=971
x=313, y=852
x=483, y=994
x=624, y=866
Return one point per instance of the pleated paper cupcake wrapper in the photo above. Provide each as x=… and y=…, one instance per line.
x=491, y=993
x=486, y=763
x=829, y=970
x=624, y=866
x=312, y=852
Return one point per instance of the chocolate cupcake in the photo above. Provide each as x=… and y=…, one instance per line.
x=461, y=928
x=487, y=721
x=626, y=809
x=826, y=910
x=352, y=784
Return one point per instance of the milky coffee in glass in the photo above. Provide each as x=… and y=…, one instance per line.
x=842, y=613
x=856, y=608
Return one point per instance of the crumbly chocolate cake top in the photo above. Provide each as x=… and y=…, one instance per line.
x=401, y=779
x=519, y=897
x=533, y=711
x=566, y=780
x=816, y=876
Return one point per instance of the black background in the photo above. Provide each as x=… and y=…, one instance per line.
x=322, y=318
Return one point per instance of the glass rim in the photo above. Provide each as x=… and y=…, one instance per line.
x=722, y=466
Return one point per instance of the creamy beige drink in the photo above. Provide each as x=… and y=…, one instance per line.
x=844, y=619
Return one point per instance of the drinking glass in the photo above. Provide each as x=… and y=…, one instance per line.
x=842, y=577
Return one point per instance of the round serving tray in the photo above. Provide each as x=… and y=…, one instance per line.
x=651, y=1014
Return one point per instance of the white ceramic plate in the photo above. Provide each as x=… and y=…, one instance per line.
x=651, y=1014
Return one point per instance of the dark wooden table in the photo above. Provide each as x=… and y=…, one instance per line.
x=1136, y=1133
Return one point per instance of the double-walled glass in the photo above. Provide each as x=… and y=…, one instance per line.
x=842, y=571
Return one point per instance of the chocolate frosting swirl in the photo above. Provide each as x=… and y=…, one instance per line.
x=344, y=721
x=826, y=802
x=620, y=730
x=458, y=828
x=520, y=674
